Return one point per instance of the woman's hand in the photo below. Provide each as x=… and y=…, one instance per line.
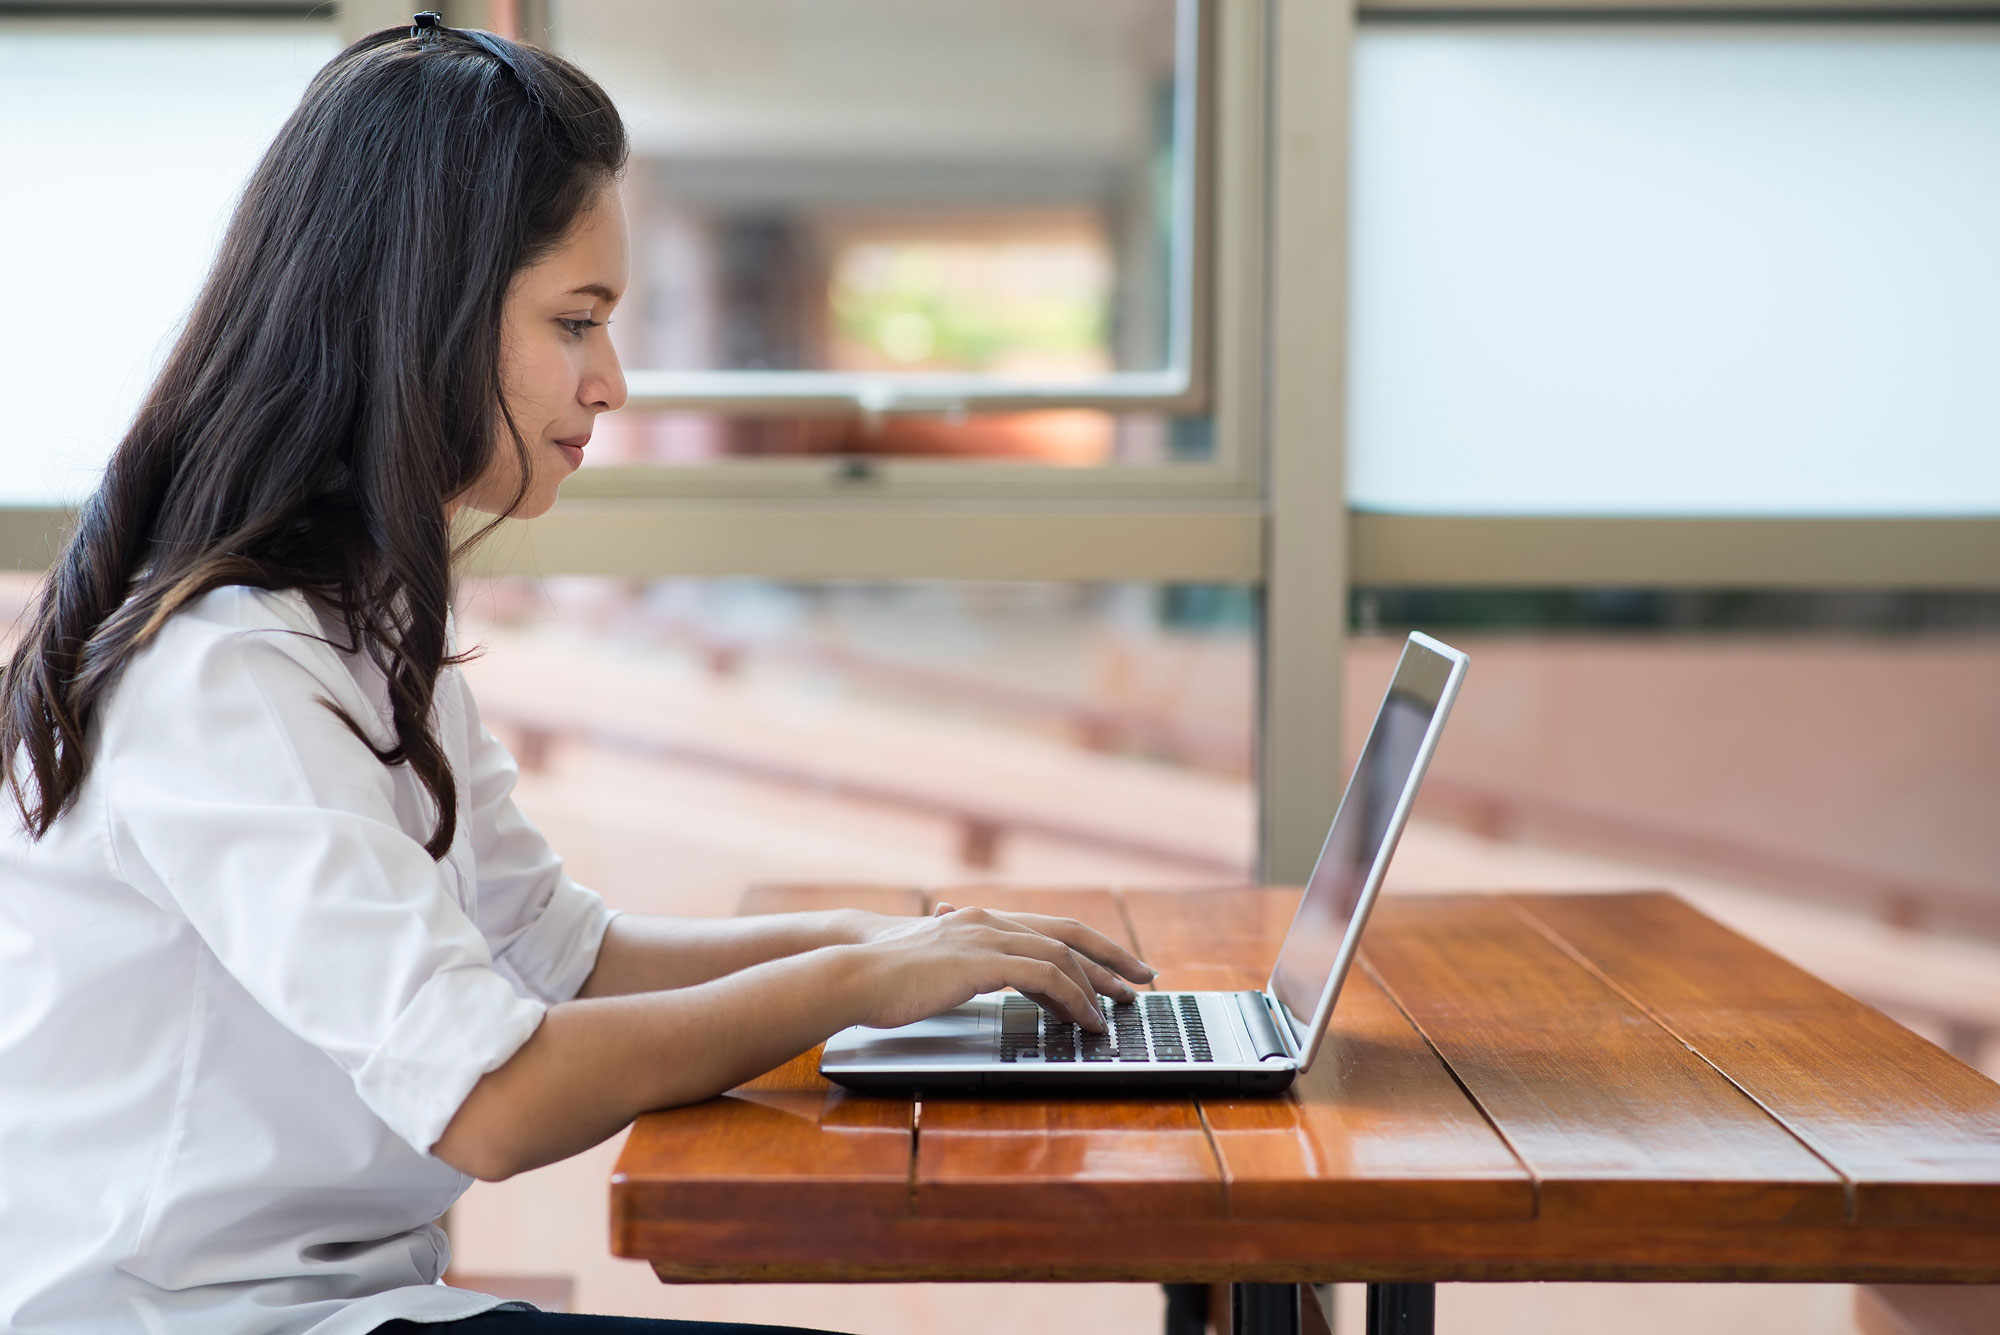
x=917, y=967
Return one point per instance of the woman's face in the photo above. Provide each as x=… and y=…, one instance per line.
x=557, y=367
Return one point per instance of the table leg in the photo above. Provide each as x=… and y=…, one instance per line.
x=1187, y=1309
x=1264, y=1309
x=1402, y=1309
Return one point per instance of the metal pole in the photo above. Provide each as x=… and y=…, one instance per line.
x=1264, y=1309
x=1187, y=1309
x=1402, y=1309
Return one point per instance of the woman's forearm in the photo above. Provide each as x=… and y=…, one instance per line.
x=596, y=1063
x=644, y=953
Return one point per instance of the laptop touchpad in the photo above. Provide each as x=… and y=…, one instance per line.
x=956, y=1031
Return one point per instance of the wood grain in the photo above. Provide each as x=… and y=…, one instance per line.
x=1616, y=1119
x=1915, y=1130
x=1645, y=1162
x=1022, y=1158
x=1172, y=1249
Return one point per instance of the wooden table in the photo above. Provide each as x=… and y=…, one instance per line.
x=1520, y=1087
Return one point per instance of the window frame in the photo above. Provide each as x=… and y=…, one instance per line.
x=1211, y=234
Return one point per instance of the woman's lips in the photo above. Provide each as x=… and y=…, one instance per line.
x=572, y=449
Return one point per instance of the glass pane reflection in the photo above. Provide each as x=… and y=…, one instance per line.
x=881, y=185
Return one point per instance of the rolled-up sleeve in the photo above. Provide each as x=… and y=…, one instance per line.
x=543, y=926
x=236, y=797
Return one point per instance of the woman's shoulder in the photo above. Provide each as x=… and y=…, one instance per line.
x=236, y=608
x=234, y=660
x=235, y=627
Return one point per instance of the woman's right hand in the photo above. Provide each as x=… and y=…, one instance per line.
x=928, y=965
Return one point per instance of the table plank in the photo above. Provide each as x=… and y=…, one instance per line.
x=1029, y=1158
x=1617, y=1120
x=1377, y=1129
x=1171, y=1249
x=1915, y=1130
x=785, y=1145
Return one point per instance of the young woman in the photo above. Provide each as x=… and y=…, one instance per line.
x=281, y=966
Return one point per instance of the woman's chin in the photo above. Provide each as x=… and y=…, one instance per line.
x=532, y=506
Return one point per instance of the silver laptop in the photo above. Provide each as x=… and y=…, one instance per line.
x=1247, y=1041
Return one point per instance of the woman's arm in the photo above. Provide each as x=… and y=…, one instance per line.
x=644, y=953
x=653, y=954
x=598, y=1062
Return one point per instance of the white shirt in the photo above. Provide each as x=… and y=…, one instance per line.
x=239, y=1002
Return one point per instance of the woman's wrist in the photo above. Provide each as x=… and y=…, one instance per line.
x=857, y=927
x=843, y=927
x=848, y=985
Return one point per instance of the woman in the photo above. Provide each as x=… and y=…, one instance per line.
x=281, y=966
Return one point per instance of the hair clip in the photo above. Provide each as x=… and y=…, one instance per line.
x=425, y=24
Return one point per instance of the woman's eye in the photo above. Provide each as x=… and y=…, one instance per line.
x=576, y=327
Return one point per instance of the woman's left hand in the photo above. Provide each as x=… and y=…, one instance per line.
x=1104, y=960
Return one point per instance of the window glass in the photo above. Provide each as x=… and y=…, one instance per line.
x=685, y=738
x=123, y=147
x=899, y=185
x=1639, y=269
x=1815, y=769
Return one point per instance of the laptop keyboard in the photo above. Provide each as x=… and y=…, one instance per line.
x=1159, y=1027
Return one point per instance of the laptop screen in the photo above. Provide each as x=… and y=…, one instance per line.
x=1327, y=928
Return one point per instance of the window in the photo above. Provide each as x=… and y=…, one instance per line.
x=123, y=147
x=892, y=207
x=1683, y=269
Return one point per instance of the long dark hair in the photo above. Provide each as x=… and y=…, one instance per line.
x=336, y=384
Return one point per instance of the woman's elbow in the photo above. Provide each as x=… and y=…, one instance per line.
x=482, y=1156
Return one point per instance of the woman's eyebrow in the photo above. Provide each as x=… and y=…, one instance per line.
x=598, y=290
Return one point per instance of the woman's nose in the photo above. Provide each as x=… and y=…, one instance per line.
x=604, y=388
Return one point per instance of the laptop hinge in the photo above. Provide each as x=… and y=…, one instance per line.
x=1264, y=1035
x=1281, y=1018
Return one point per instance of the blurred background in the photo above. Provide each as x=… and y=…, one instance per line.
x=1047, y=418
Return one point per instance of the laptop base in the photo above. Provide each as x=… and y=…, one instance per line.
x=1078, y=1080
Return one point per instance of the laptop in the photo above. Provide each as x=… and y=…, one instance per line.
x=1252, y=1042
